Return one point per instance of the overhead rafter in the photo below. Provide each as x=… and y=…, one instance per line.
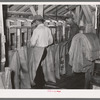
x=53, y=9
x=92, y=7
x=70, y=8
x=58, y=9
x=33, y=10
x=19, y=7
x=30, y=14
x=46, y=6
x=40, y=10
x=12, y=8
x=77, y=14
x=49, y=9
x=87, y=13
x=18, y=13
x=27, y=10
x=61, y=10
x=24, y=8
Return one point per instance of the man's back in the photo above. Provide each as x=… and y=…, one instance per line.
x=42, y=36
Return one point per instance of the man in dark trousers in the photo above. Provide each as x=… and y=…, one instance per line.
x=39, y=41
x=73, y=30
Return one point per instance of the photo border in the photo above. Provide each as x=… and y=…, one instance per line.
x=51, y=94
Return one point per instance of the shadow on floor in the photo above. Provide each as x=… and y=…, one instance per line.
x=74, y=81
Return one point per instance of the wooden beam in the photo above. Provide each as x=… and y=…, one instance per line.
x=77, y=14
x=69, y=9
x=24, y=8
x=3, y=59
x=19, y=7
x=89, y=11
x=81, y=13
x=46, y=6
x=53, y=15
x=86, y=13
x=30, y=14
x=40, y=10
x=19, y=13
x=53, y=10
x=27, y=10
x=33, y=10
x=50, y=8
x=64, y=12
x=13, y=7
x=61, y=10
x=92, y=7
x=58, y=8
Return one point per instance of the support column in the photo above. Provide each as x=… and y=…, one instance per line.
x=33, y=10
x=40, y=10
x=3, y=59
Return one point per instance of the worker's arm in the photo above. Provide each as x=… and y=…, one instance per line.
x=34, y=38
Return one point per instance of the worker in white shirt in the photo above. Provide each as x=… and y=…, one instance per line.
x=39, y=41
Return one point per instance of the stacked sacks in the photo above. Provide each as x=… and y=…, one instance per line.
x=19, y=67
x=84, y=49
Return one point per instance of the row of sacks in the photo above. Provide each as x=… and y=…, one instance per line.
x=53, y=65
x=5, y=79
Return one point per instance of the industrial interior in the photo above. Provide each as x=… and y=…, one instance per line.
x=60, y=61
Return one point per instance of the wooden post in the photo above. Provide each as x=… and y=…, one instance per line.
x=40, y=10
x=0, y=51
x=87, y=13
x=3, y=59
x=33, y=11
x=77, y=14
x=18, y=38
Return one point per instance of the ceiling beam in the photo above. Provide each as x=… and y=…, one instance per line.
x=24, y=8
x=33, y=10
x=49, y=9
x=61, y=10
x=40, y=10
x=13, y=7
x=27, y=10
x=19, y=13
x=70, y=8
x=58, y=8
x=87, y=13
x=19, y=7
x=53, y=9
x=30, y=14
x=46, y=6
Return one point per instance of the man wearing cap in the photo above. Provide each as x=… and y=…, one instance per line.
x=40, y=39
x=73, y=30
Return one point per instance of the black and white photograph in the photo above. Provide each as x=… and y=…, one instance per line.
x=49, y=46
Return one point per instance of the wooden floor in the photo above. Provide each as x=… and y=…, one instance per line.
x=75, y=81
x=67, y=81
